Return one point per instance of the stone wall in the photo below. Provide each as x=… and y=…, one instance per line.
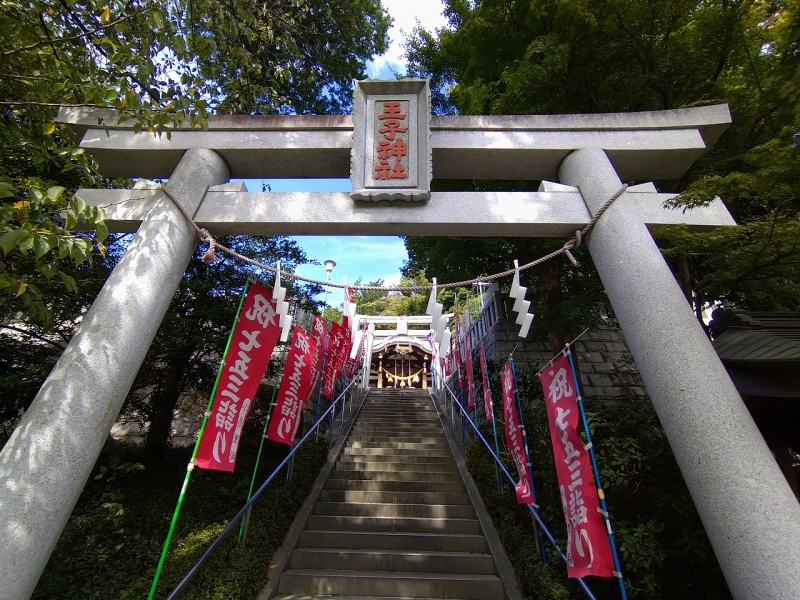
x=606, y=365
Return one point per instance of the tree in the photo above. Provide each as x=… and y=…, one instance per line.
x=185, y=354
x=517, y=57
x=28, y=350
x=292, y=61
x=158, y=63
x=506, y=56
x=394, y=304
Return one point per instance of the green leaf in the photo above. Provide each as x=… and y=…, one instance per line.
x=47, y=270
x=77, y=253
x=54, y=193
x=37, y=195
x=25, y=243
x=69, y=282
x=42, y=244
x=101, y=231
x=10, y=239
x=78, y=205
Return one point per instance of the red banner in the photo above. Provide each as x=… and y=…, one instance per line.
x=487, y=394
x=513, y=433
x=296, y=384
x=588, y=550
x=347, y=348
x=468, y=363
x=334, y=358
x=319, y=331
x=254, y=337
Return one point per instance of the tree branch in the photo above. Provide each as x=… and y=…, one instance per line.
x=86, y=34
x=33, y=335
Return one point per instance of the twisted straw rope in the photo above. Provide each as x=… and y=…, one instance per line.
x=210, y=255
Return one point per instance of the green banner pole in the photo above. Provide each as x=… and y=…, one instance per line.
x=190, y=466
x=246, y=519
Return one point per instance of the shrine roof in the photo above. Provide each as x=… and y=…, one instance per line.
x=757, y=338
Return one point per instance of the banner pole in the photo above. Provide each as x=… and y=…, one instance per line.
x=600, y=493
x=322, y=375
x=542, y=547
x=482, y=358
x=190, y=466
x=246, y=519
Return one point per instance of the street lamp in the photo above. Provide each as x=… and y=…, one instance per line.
x=329, y=264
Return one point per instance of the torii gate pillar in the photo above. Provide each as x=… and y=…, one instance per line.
x=749, y=512
x=52, y=451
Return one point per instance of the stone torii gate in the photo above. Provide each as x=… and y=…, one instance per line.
x=747, y=508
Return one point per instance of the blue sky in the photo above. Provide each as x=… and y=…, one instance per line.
x=368, y=257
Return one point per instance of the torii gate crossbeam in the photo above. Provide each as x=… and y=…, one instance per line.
x=748, y=509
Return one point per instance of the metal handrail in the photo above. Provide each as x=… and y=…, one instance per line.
x=508, y=475
x=233, y=523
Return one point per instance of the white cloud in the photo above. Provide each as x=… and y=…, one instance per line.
x=405, y=14
x=393, y=279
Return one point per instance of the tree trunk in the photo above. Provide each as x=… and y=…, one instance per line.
x=550, y=295
x=164, y=403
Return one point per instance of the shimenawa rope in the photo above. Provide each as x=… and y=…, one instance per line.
x=210, y=255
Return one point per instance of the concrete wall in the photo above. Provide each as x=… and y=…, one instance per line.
x=605, y=362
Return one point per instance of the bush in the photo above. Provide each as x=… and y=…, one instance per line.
x=664, y=549
x=112, y=551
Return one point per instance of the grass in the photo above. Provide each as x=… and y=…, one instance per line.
x=112, y=542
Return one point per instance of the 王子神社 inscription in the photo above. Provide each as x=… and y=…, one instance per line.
x=391, y=136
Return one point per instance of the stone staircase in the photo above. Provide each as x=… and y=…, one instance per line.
x=393, y=519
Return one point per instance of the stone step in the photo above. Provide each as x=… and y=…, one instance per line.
x=350, y=559
x=326, y=597
x=398, y=424
x=457, y=542
x=428, y=409
x=392, y=584
x=365, y=485
x=346, y=465
x=401, y=476
x=393, y=524
x=400, y=406
x=406, y=439
x=392, y=433
x=437, y=445
x=386, y=509
x=395, y=452
x=391, y=458
x=395, y=497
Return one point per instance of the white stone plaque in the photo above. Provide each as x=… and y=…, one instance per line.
x=391, y=156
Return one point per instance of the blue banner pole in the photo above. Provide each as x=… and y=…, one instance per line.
x=600, y=493
x=322, y=374
x=542, y=547
x=491, y=408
